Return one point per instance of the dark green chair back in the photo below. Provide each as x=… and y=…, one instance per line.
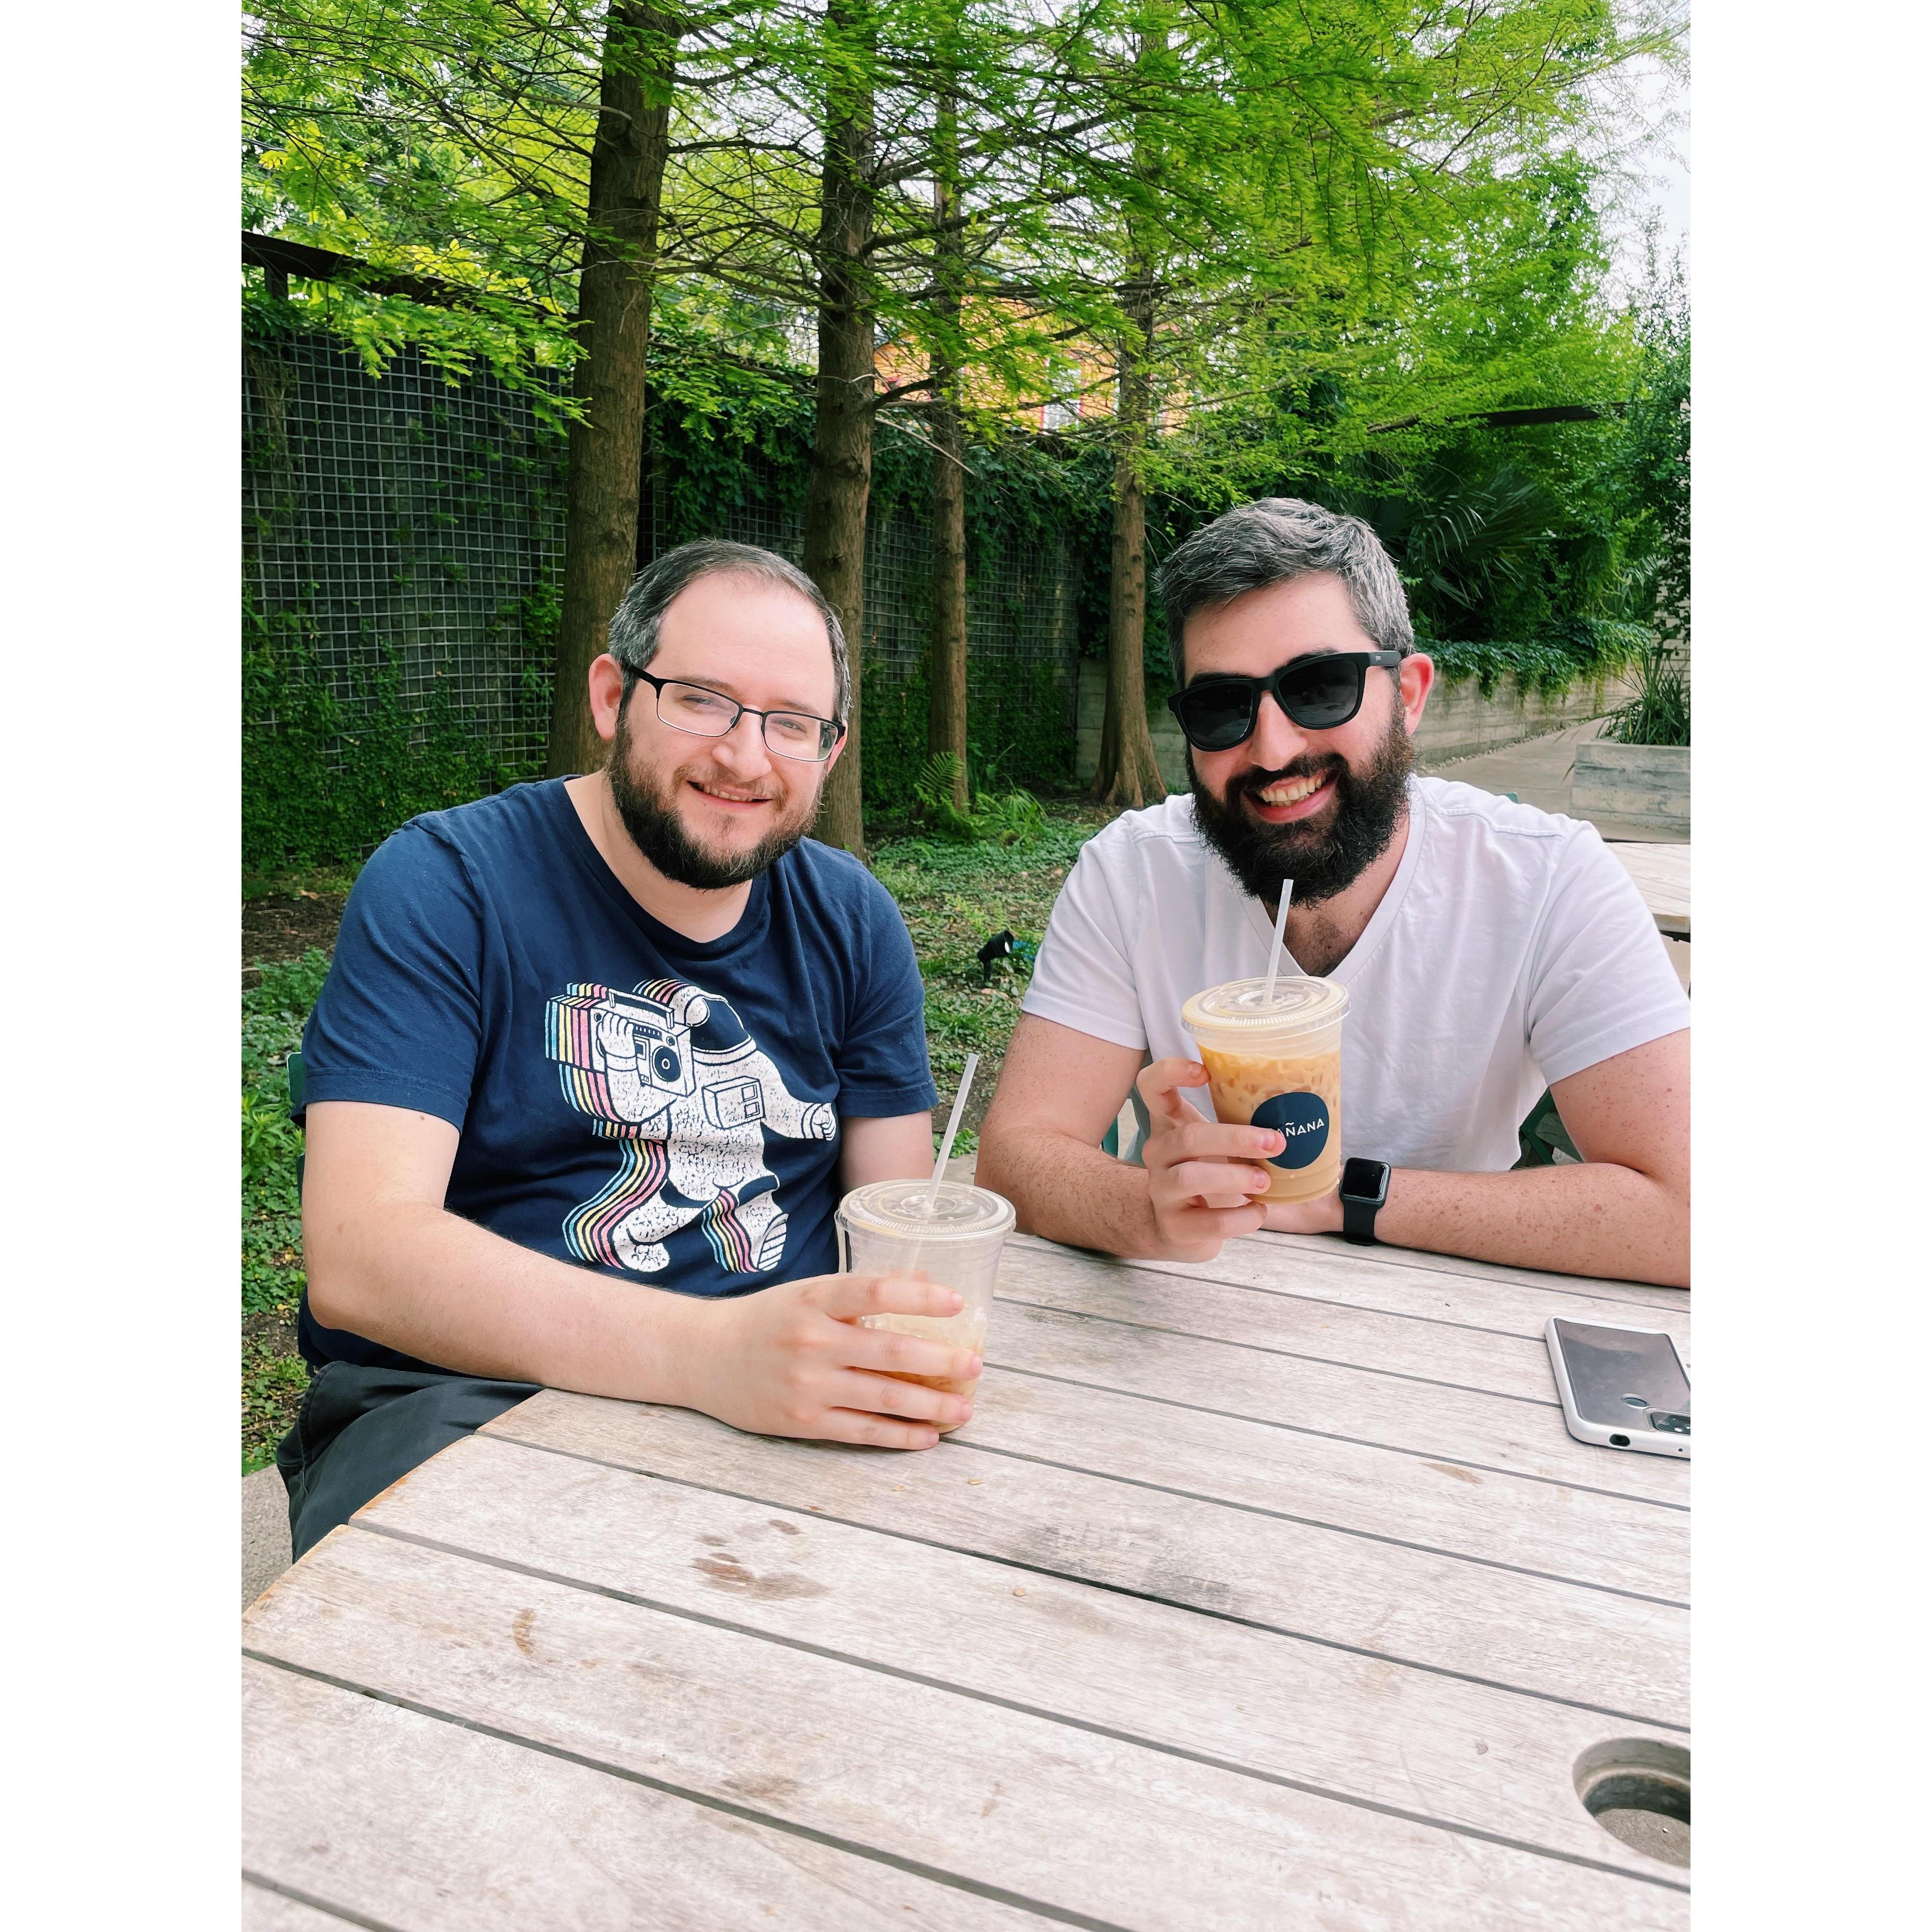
x=1542, y=1137
x=298, y=1088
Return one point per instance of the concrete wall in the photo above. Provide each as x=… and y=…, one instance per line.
x=1647, y=786
x=1458, y=723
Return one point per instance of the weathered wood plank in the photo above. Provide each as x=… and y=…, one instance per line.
x=1094, y=1824
x=1318, y=1249
x=1662, y=874
x=1490, y=1432
x=265, y=1911
x=1580, y=1534
x=1487, y=1760
x=428, y=1827
x=1556, y=1639
x=1436, y=1352
x=1331, y=1271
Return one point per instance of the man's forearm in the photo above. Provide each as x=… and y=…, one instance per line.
x=1063, y=1190
x=419, y=1279
x=1591, y=1218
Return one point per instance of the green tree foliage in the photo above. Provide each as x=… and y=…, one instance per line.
x=1532, y=547
x=1346, y=234
x=1653, y=466
x=1336, y=200
x=445, y=139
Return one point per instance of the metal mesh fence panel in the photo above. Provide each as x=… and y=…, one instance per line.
x=1021, y=595
x=403, y=556
x=405, y=534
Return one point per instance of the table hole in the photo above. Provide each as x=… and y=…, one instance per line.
x=1639, y=1790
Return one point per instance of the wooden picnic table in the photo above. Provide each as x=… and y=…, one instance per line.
x=1662, y=874
x=1268, y=1592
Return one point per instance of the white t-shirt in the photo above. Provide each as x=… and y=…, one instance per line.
x=1510, y=950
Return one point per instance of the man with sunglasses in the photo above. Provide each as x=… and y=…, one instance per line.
x=1490, y=951
x=595, y=1060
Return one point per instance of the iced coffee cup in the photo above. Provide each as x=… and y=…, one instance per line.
x=952, y=1234
x=1274, y=1060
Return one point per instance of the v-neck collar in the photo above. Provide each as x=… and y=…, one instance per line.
x=1355, y=961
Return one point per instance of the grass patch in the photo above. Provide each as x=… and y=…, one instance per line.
x=954, y=898
x=273, y=1376
x=307, y=882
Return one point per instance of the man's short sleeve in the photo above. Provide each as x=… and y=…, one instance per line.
x=883, y=1069
x=399, y=1021
x=1601, y=981
x=1084, y=977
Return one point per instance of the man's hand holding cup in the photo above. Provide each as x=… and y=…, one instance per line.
x=796, y=1360
x=1203, y=1177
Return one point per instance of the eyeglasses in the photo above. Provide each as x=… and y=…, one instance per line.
x=710, y=714
x=1217, y=712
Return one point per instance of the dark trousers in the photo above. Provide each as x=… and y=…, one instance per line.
x=360, y=1430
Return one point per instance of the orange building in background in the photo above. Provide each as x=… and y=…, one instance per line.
x=1076, y=384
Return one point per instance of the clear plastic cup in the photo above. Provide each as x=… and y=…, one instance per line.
x=952, y=1234
x=1275, y=1060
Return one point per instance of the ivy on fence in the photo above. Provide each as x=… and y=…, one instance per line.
x=395, y=510
x=332, y=775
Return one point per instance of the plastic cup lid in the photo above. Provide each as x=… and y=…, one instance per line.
x=914, y=1210
x=1244, y=1006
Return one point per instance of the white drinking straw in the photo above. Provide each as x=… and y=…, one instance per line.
x=951, y=1128
x=1280, y=928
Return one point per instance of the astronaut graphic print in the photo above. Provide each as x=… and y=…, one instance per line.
x=671, y=1074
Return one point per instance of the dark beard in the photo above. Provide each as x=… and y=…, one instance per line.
x=1369, y=805
x=658, y=833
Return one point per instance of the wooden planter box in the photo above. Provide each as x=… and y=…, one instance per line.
x=1643, y=786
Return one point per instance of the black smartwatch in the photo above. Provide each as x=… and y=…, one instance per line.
x=1364, y=1188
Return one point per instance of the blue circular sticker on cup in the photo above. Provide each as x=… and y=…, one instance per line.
x=1302, y=1120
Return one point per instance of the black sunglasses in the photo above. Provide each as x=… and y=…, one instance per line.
x=1319, y=693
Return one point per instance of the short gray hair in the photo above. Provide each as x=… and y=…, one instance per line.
x=1273, y=540
x=633, y=635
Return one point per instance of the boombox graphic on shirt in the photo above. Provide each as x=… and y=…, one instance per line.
x=671, y=1074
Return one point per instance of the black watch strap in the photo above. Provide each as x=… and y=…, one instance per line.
x=1364, y=1188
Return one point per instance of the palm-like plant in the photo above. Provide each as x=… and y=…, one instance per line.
x=1660, y=713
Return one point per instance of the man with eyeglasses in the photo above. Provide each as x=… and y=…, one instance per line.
x=1490, y=952
x=595, y=1060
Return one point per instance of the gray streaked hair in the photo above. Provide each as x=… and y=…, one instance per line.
x=633, y=635
x=1274, y=540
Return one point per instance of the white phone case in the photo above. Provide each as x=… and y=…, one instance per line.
x=1641, y=1438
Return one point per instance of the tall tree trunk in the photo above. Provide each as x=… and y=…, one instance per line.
x=1129, y=773
x=841, y=452
x=946, y=726
x=613, y=319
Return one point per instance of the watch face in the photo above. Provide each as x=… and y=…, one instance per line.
x=1364, y=1180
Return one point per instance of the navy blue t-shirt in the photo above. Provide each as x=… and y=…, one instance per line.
x=651, y=1106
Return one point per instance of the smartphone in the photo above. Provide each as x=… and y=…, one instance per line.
x=1624, y=1388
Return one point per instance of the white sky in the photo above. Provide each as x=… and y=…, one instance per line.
x=1656, y=111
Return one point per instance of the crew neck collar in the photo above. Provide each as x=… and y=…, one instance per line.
x=583, y=848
